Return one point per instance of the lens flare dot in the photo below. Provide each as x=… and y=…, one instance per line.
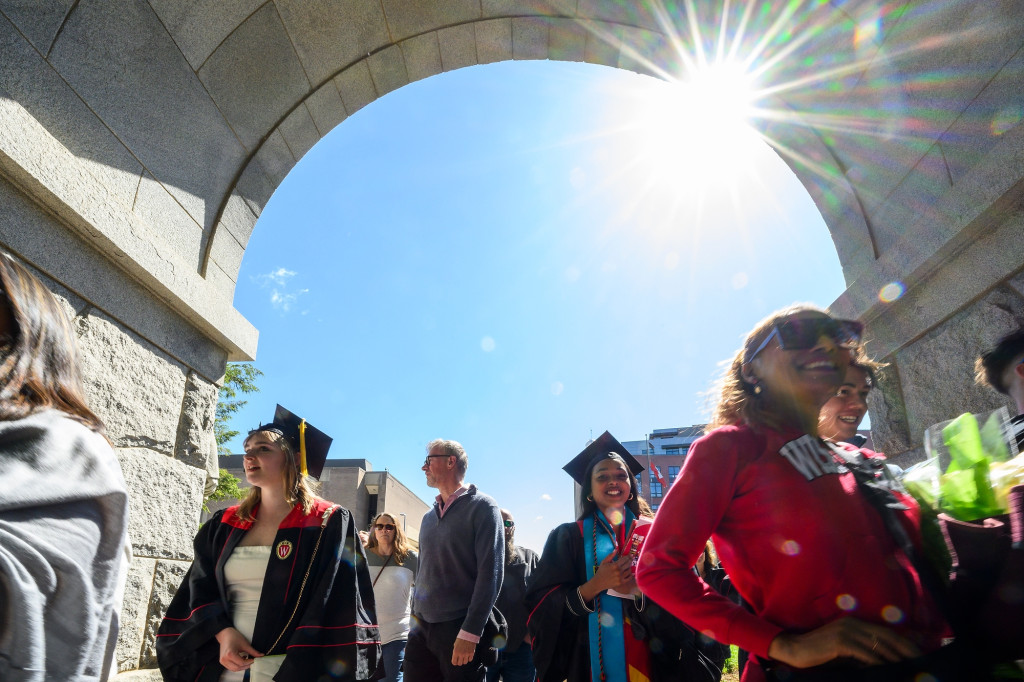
x=616, y=518
x=740, y=280
x=892, y=614
x=790, y=548
x=607, y=619
x=925, y=677
x=1006, y=118
x=487, y=344
x=893, y=291
x=847, y=602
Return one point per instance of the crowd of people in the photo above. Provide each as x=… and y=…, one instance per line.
x=782, y=535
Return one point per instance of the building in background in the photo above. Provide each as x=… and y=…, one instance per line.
x=663, y=454
x=353, y=484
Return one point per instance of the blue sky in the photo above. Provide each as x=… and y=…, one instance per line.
x=519, y=256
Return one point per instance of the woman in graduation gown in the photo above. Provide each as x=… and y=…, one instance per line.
x=279, y=587
x=588, y=620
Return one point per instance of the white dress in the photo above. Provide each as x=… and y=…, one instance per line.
x=243, y=574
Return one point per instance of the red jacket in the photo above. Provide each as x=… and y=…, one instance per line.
x=801, y=543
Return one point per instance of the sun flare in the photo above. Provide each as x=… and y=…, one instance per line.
x=697, y=131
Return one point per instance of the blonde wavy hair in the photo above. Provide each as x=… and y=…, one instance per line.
x=737, y=402
x=298, y=489
x=402, y=548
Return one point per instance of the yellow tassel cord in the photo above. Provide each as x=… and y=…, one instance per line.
x=302, y=448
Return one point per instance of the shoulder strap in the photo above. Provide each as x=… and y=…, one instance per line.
x=878, y=492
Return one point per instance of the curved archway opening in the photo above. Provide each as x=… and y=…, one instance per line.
x=519, y=256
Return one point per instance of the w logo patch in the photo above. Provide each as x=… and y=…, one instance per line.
x=284, y=549
x=810, y=457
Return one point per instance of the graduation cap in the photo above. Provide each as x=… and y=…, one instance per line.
x=309, y=442
x=601, y=447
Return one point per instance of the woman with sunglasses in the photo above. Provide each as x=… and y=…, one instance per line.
x=393, y=566
x=825, y=579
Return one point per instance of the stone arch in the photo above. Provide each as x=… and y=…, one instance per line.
x=140, y=140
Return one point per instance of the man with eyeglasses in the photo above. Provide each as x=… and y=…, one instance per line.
x=1002, y=368
x=515, y=660
x=462, y=557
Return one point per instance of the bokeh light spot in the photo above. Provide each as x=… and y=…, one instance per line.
x=616, y=517
x=790, y=548
x=892, y=614
x=487, y=344
x=740, y=280
x=557, y=388
x=607, y=619
x=893, y=291
x=925, y=677
x=499, y=642
x=1006, y=118
x=847, y=602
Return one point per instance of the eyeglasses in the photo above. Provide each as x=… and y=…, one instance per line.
x=384, y=526
x=802, y=333
x=510, y=524
x=426, y=462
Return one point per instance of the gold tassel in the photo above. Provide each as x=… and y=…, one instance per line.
x=302, y=448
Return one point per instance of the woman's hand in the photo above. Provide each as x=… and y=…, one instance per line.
x=846, y=638
x=236, y=653
x=612, y=574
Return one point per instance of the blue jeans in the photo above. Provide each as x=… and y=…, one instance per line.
x=393, y=654
x=513, y=667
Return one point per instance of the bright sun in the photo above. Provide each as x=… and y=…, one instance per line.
x=698, y=129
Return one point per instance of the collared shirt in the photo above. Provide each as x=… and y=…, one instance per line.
x=444, y=505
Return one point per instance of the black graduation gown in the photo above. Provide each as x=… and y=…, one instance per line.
x=333, y=629
x=558, y=623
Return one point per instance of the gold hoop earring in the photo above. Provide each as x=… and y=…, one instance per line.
x=590, y=498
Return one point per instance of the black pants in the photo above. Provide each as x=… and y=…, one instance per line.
x=428, y=655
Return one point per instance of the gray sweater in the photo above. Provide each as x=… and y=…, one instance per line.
x=63, y=520
x=462, y=559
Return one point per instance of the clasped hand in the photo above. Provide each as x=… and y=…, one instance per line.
x=236, y=653
x=615, y=574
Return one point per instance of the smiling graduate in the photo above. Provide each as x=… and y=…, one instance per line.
x=589, y=621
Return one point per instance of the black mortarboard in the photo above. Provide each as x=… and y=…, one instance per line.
x=604, y=444
x=310, y=443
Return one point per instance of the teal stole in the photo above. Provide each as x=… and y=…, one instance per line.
x=607, y=635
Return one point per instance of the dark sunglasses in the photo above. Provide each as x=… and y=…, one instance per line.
x=384, y=526
x=426, y=462
x=802, y=333
x=510, y=524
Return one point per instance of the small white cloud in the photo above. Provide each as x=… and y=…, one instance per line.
x=277, y=281
x=487, y=344
x=557, y=388
x=279, y=276
x=545, y=497
x=539, y=518
x=284, y=301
